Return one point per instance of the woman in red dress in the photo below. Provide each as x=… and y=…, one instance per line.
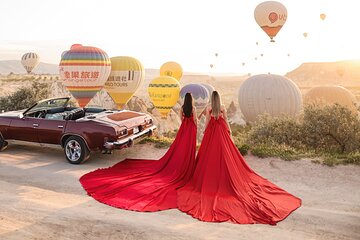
x=149, y=185
x=224, y=187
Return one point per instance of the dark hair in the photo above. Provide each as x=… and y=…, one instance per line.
x=187, y=107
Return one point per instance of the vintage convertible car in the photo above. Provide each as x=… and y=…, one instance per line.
x=77, y=130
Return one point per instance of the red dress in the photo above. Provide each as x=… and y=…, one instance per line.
x=147, y=185
x=225, y=188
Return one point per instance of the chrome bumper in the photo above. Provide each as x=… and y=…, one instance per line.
x=128, y=141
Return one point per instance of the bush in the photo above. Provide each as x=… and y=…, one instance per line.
x=25, y=97
x=282, y=151
x=282, y=130
x=330, y=128
x=160, y=142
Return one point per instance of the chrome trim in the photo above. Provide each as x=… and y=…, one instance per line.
x=60, y=126
x=35, y=125
x=122, y=142
x=73, y=134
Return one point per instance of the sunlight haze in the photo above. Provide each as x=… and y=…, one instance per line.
x=188, y=32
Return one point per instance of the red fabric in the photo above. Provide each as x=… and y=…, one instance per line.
x=147, y=185
x=225, y=188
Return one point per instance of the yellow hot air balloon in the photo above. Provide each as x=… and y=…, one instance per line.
x=270, y=16
x=305, y=34
x=164, y=93
x=323, y=16
x=171, y=69
x=127, y=73
x=331, y=94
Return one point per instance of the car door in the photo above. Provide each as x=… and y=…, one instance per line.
x=23, y=129
x=50, y=130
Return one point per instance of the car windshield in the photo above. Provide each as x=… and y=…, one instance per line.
x=51, y=103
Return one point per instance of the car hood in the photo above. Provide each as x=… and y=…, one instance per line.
x=12, y=113
x=122, y=118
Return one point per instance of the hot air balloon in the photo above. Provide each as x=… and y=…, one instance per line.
x=323, y=16
x=305, y=34
x=331, y=94
x=270, y=16
x=340, y=71
x=211, y=65
x=243, y=64
x=261, y=54
x=208, y=87
x=199, y=93
x=127, y=73
x=268, y=93
x=164, y=93
x=30, y=61
x=216, y=54
x=171, y=69
x=84, y=71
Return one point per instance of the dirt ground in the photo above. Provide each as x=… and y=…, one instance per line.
x=41, y=198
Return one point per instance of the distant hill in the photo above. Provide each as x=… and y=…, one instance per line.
x=16, y=67
x=346, y=73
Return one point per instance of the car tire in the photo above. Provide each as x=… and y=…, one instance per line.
x=3, y=144
x=76, y=150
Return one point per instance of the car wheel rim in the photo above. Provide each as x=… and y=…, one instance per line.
x=73, y=150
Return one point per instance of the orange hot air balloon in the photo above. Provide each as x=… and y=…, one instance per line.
x=84, y=71
x=323, y=16
x=270, y=16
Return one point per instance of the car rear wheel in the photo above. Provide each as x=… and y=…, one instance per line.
x=3, y=144
x=76, y=150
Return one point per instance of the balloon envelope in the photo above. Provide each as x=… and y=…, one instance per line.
x=171, y=69
x=30, y=61
x=199, y=93
x=210, y=89
x=305, y=34
x=323, y=16
x=127, y=73
x=164, y=93
x=267, y=93
x=84, y=71
x=270, y=16
x=330, y=94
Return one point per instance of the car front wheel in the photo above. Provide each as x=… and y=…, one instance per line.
x=76, y=150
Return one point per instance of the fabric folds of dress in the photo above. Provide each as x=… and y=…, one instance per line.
x=147, y=185
x=225, y=188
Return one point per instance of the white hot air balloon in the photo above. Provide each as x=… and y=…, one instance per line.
x=268, y=93
x=30, y=61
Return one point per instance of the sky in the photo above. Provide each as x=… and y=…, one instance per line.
x=189, y=32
